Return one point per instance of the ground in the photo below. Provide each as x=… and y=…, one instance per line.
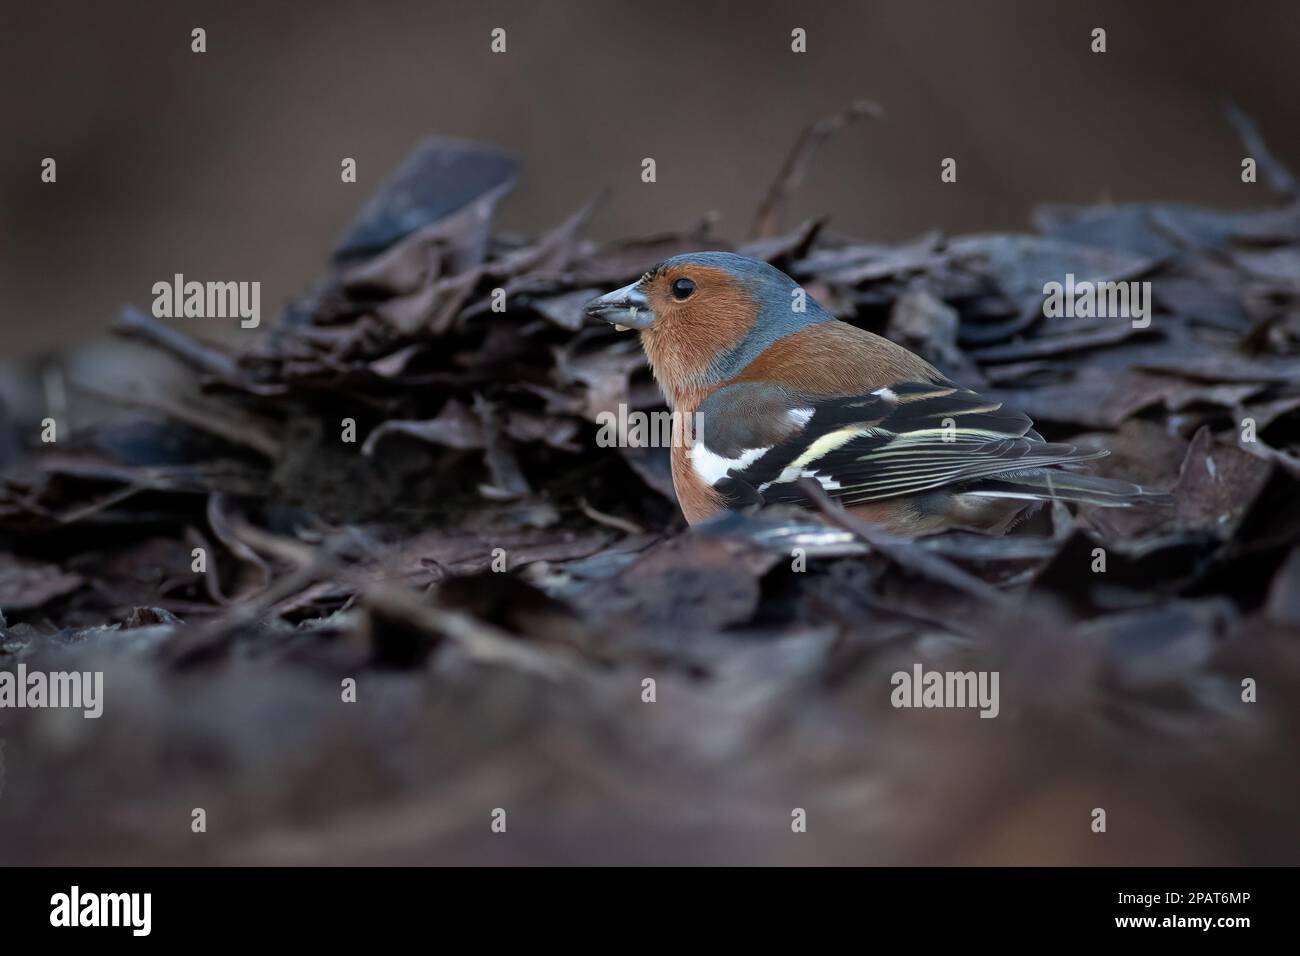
x=371, y=591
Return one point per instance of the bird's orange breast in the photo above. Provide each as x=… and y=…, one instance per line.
x=696, y=499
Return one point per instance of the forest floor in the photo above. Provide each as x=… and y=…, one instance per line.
x=371, y=591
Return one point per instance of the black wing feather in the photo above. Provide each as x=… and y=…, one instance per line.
x=908, y=439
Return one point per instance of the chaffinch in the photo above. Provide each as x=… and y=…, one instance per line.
x=785, y=391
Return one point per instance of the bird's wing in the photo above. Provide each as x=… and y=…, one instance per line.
x=902, y=440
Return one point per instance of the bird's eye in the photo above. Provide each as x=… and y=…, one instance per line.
x=682, y=289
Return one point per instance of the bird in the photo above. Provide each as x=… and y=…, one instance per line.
x=784, y=393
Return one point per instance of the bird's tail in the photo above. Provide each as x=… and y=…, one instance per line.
x=1049, y=484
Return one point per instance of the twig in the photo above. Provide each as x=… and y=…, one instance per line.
x=482, y=641
x=612, y=521
x=790, y=177
x=1278, y=176
x=904, y=553
x=225, y=531
x=239, y=432
x=133, y=323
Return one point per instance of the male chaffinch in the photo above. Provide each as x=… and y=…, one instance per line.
x=786, y=393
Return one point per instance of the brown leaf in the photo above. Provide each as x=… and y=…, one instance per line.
x=26, y=585
x=1217, y=484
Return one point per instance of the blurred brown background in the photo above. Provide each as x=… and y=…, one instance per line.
x=226, y=165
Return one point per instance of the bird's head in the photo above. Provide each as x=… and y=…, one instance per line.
x=704, y=316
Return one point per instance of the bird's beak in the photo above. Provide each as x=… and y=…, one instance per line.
x=625, y=308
